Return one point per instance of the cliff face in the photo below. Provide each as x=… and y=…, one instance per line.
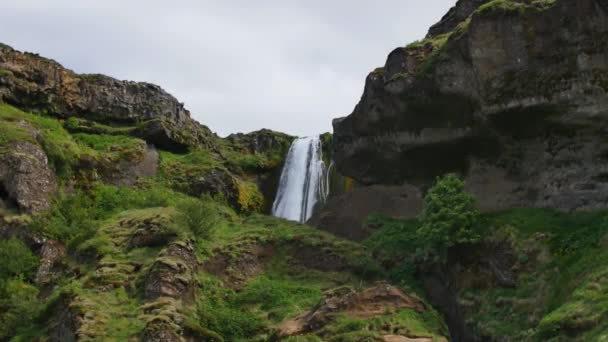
x=510, y=94
x=37, y=84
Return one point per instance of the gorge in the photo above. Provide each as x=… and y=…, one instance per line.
x=465, y=198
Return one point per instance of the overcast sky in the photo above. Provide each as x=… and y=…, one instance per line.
x=239, y=65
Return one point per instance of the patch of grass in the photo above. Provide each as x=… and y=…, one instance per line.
x=109, y=143
x=407, y=322
x=511, y=6
x=217, y=314
x=279, y=298
x=62, y=151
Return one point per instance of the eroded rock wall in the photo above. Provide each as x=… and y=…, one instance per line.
x=513, y=98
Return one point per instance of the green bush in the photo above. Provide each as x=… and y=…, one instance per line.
x=19, y=307
x=449, y=217
x=16, y=259
x=198, y=216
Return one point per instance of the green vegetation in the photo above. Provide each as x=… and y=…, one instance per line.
x=17, y=126
x=449, y=217
x=512, y=6
x=200, y=217
x=16, y=260
x=560, y=260
x=19, y=304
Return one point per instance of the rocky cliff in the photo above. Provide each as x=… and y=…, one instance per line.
x=41, y=85
x=510, y=94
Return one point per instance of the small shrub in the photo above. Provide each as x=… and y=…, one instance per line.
x=19, y=307
x=198, y=216
x=449, y=217
x=71, y=124
x=16, y=259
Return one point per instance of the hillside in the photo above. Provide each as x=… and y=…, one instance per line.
x=123, y=219
x=467, y=199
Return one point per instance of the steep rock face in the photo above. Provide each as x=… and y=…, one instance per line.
x=513, y=98
x=456, y=15
x=37, y=84
x=344, y=214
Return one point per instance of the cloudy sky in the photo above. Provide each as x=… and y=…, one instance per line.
x=239, y=65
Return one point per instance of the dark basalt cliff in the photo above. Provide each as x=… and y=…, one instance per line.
x=509, y=94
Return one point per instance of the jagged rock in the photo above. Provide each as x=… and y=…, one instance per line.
x=456, y=15
x=51, y=254
x=515, y=101
x=172, y=273
x=151, y=232
x=128, y=170
x=37, y=84
x=380, y=299
x=160, y=333
x=262, y=141
x=26, y=178
x=214, y=182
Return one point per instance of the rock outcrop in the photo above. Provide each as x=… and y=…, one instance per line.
x=377, y=300
x=37, y=84
x=509, y=94
x=27, y=181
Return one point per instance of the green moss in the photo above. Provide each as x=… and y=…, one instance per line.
x=407, y=322
x=279, y=298
x=250, y=199
x=4, y=72
x=109, y=143
x=512, y=6
x=62, y=151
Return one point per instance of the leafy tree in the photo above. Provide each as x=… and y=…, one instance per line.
x=449, y=217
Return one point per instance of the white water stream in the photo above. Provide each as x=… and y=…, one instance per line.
x=303, y=181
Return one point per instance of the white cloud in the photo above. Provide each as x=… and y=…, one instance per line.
x=238, y=65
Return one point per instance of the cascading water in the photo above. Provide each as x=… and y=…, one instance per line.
x=303, y=181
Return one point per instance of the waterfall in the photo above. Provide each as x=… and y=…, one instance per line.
x=303, y=181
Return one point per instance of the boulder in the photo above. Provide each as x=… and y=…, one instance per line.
x=26, y=178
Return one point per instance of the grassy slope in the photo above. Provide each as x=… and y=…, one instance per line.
x=102, y=279
x=562, y=288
